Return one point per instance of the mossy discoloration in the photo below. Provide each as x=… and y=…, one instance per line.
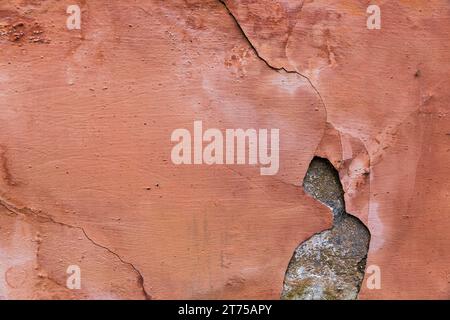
x=330, y=265
x=299, y=289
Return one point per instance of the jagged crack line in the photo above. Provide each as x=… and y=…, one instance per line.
x=281, y=68
x=140, y=277
x=27, y=211
x=271, y=66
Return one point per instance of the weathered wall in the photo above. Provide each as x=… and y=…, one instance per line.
x=85, y=123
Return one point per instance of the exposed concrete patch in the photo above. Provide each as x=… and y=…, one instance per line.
x=331, y=264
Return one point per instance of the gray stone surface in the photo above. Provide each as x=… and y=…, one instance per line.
x=331, y=264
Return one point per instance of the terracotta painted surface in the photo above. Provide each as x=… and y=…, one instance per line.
x=387, y=98
x=86, y=119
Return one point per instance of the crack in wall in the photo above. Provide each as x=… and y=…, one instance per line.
x=282, y=69
x=270, y=65
x=331, y=264
x=45, y=218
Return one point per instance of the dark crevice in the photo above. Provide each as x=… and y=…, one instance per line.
x=330, y=265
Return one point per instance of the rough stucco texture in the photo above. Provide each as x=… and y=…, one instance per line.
x=85, y=122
